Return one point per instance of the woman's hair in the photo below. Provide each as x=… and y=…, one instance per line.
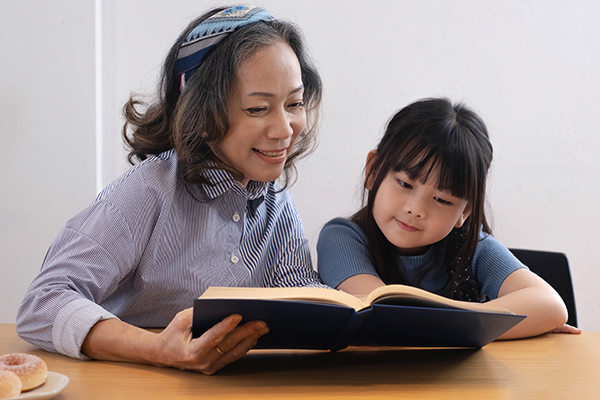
x=194, y=122
x=432, y=138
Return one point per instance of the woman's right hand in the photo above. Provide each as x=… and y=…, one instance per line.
x=222, y=344
x=114, y=340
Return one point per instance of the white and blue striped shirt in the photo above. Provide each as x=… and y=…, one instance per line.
x=150, y=243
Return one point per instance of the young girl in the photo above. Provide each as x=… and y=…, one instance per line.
x=199, y=209
x=424, y=222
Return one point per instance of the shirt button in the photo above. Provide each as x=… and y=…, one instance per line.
x=234, y=259
x=236, y=217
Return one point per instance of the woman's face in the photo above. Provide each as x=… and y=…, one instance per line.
x=266, y=114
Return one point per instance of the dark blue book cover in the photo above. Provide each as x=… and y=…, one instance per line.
x=293, y=325
x=309, y=325
x=397, y=325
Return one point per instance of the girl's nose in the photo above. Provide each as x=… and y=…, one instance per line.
x=417, y=215
x=415, y=209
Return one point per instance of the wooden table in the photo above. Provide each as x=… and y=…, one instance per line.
x=551, y=366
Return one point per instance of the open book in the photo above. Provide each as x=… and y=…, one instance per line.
x=317, y=318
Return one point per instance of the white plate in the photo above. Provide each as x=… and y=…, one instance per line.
x=54, y=384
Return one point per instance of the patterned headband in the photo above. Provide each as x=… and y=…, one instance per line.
x=209, y=33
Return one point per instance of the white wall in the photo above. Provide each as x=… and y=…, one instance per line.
x=47, y=166
x=531, y=68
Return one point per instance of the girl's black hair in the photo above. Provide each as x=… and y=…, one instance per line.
x=432, y=135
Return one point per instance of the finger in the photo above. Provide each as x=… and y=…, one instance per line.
x=569, y=329
x=215, y=335
x=566, y=328
x=199, y=354
x=239, y=334
x=208, y=355
x=183, y=320
x=237, y=352
x=250, y=331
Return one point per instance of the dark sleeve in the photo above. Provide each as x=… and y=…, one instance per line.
x=342, y=252
x=492, y=264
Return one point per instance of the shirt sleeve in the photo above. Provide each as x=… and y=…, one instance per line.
x=294, y=267
x=492, y=264
x=342, y=252
x=91, y=254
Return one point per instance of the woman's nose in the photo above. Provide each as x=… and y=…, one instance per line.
x=281, y=127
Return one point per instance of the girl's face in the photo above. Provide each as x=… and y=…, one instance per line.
x=413, y=215
x=266, y=114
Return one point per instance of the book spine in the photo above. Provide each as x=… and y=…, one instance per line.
x=353, y=325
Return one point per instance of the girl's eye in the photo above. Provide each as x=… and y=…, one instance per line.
x=404, y=184
x=298, y=104
x=442, y=201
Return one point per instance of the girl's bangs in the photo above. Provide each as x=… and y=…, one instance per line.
x=447, y=165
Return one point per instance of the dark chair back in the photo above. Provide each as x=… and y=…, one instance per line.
x=554, y=269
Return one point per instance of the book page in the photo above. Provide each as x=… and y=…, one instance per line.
x=390, y=294
x=303, y=294
x=412, y=296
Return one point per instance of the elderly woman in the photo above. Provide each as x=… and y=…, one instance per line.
x=237, y=105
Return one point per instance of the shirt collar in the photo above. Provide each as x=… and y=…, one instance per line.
x=222, y=181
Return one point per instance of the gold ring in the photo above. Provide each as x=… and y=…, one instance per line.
x=219, y=350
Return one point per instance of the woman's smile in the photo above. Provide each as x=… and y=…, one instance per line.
x=272, y=156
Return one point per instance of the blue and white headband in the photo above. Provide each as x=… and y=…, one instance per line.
x=209, y=33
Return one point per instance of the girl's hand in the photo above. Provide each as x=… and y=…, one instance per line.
x=566, y=328
x=525, y=293
x=222, y=344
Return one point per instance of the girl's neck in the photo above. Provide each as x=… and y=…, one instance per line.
x=415, y=251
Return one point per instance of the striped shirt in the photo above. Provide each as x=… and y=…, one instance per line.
x=343, y=252
x=150, y=243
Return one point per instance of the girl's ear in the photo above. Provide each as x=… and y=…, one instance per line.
x=463, y=217
x=369, y=173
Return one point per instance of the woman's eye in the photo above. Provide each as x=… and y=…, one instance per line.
x=297, y=104
x=256, y=110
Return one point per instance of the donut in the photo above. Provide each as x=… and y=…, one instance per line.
x=30, y=368
x=10, y=384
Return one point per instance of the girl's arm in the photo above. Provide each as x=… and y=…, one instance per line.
x=523, y=292
x=360, y=285
x=114, y=340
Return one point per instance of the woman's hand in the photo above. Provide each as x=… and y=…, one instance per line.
x=114, y=340
x=222, y=344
